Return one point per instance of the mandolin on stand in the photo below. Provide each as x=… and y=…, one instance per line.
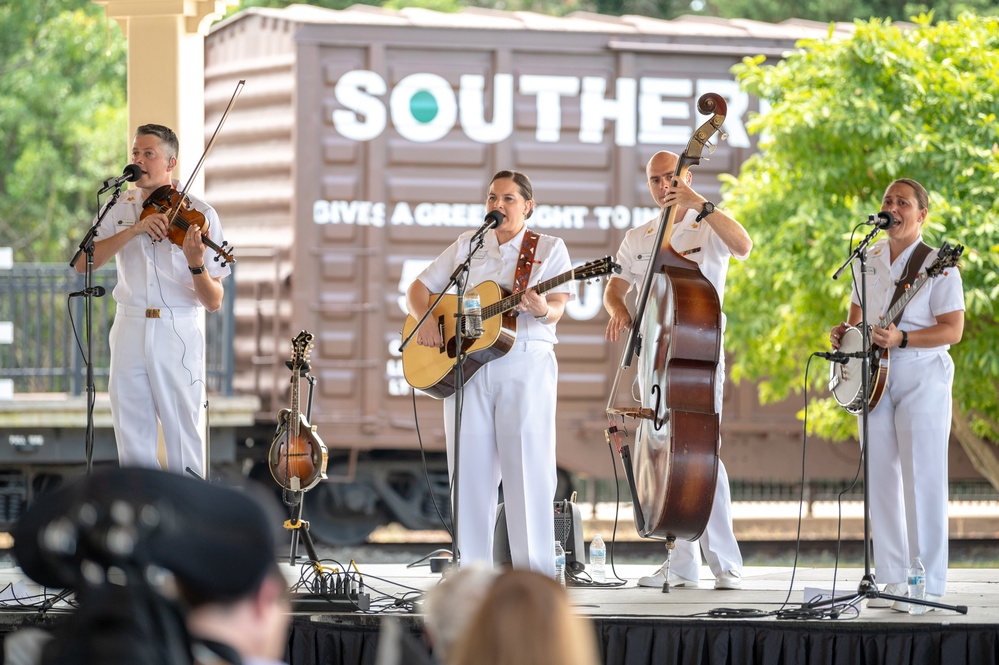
x=298, y=457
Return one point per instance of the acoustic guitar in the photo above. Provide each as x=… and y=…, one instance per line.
x=846, y=380
x=432, y=369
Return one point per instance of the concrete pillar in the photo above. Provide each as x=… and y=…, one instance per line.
x=166, y=68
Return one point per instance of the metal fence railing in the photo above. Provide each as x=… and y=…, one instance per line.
x=46, y=354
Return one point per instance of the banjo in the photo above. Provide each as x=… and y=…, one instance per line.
x=846, y=379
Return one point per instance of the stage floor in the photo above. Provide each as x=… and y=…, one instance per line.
x=638, y=626
x=764, y=589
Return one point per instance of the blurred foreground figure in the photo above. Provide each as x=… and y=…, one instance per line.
x=451, y=605
x=124, y=540
x=525, y=619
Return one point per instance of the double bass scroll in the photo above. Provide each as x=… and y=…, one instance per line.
x=676, y=335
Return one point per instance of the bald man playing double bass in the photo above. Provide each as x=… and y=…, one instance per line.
x=709, y=237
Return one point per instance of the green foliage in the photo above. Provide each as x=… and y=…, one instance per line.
x=449, y=6
x=757, y=10
x=62, y=119
x=847, y=117
x=775, y=11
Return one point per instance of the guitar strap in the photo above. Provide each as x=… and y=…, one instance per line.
x=912, y=267
x=525, y=263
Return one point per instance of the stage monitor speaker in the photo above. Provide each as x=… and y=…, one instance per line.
x=568, y=531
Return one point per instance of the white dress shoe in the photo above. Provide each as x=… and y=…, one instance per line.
x=729, y=579
x=657, y=578
x=899, y=589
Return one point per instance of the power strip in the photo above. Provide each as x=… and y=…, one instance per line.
x=334, y=602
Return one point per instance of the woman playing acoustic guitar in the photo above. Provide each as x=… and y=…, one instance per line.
x=508, y=416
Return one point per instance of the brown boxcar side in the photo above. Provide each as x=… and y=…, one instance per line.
x=362, y=146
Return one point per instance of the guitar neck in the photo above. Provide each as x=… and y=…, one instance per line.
x=506, y=304
x=902, y=301
x=294, y=420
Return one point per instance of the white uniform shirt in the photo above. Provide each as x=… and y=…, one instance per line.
x=156, y=274
x=939, y=295
x=691, y=239
x=499, y=263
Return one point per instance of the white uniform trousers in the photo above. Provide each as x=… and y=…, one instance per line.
x=717, y=542
x=910, y=432
x=508, y=434
x=157, y=372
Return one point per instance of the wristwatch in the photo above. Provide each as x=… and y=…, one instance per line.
x=706, y=210
x=197, y=271
x=542, y=319
x=905, y=340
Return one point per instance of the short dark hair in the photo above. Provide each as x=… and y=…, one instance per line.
x=166, y=136
x=522, y=182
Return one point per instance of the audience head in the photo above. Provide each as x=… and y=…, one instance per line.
x=525, y=619
x=254, y=625
x=124, y=540
x=450, y=606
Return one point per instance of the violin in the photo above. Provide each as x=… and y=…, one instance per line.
x=182, y=215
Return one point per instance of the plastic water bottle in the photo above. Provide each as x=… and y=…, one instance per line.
x=559, y=564
x=917, y=586
x=472, y=304
x=598, y=557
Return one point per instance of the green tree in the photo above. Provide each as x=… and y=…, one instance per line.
x=759, y=10
x=775, y=11
x=62, y=119
x=847, y=117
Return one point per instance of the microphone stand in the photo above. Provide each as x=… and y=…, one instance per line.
x=457, y=279
x=90, y=292
x=867, y=587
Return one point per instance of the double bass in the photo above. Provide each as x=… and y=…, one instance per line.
x=676, y=334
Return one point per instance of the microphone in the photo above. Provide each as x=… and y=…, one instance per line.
x=493, y=219
x=131, y=173
x=882, y=220
x=839, y=356
x=834, y=356
x=95, y=291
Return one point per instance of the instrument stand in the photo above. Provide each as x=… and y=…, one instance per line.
x=457, y=279
x=867, y=587
x=295, y=499
x=90, y=292
x=670, y=546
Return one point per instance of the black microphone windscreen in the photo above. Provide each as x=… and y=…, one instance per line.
x=886, y=220
x=495, y=218
x=133, y=171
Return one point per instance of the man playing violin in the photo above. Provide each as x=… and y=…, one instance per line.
x=709, y=237
x=157, y=348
